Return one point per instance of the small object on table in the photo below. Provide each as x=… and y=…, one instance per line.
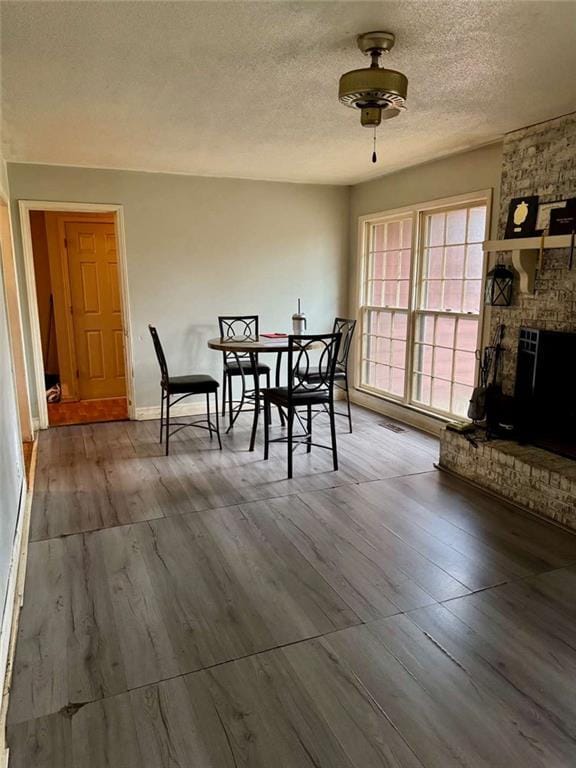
x=274, y=335
x=299, y=321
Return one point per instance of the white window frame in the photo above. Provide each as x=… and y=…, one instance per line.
x=417, y=213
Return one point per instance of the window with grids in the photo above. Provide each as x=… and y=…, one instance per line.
x=421, y=306
x=386, y=305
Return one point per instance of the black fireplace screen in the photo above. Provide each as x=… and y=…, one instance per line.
x=545, y=390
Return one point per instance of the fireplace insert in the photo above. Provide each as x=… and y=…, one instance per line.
x=545, y=390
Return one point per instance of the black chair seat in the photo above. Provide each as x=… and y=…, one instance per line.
x=279, y=396
x=313, y=375
x=197, y=384
x=245, y=366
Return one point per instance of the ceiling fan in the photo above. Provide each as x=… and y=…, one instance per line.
x=378, y=93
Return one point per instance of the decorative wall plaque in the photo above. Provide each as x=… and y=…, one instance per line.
x=522, y=215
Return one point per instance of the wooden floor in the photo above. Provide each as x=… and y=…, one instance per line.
x=201, y=611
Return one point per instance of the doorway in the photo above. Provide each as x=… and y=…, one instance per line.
x=80, y=304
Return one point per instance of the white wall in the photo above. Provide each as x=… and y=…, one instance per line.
x=11, y=486
x=199, y=247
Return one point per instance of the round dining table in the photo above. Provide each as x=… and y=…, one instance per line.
x=253, y=348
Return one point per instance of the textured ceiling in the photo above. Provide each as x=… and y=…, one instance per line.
x=249, y=89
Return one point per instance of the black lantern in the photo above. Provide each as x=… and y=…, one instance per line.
x=499, y=286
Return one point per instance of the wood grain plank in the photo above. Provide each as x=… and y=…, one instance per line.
x=351, y=563
x=446, y=715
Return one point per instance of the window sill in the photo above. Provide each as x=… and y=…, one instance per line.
x=409, y=414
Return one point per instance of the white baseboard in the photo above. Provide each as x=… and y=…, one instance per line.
x=412, y=416
x=180, y=409
x=14, y=602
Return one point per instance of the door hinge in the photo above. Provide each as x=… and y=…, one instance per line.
x=66, y=243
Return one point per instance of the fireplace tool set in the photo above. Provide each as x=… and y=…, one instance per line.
x=487, y=394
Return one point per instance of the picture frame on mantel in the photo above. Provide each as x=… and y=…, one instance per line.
x=563, y=220
x=522, y=215
x=543, y=217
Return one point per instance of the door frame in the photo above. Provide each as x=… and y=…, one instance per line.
x=25, y=207
x=14, y=314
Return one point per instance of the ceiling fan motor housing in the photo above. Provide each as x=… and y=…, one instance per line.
x=379, y=93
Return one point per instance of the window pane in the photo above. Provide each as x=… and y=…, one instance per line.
x=397, y=376
x=392, y=265
x=378, y=237
x=399, y=325
x=425, y=328
x=393, y=235
x=398, y=356
x=432, y=294
x=442, y=363
x=405, y=265
x=477, y=224
x=376, y=293
x=382, y=377
x=472, y=295
x=368, y=373
x=422, y=389
x=467, y=334
x=474, y=261
x=464, y=367
x=378, y=265
x=390, y=293
x=456, y=226
x=460, y=399
x=407, y=233
x=454, y=261
x=453, y=295
x=433, y=258
x=435, y=228
x=441, y=394
x=445, y=327
x=423, y=355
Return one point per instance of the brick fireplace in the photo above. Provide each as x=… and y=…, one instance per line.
x=538, y=160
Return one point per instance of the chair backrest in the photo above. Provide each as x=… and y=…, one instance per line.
x=239, y=327
x=159, y=353
x=312, y=352
x=346, y=328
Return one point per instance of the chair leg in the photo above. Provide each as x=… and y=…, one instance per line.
x=217, y=418
x=348, y=402
x=224, y=380
x=161, y=413
x=208, y=414
x=277, y=384
x=267, y=413
x=289, y=440
x=333, y=434
x=167, y=423
x=230, y=421
x=309, y=428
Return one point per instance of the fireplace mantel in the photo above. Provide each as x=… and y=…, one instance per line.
x=526, y=254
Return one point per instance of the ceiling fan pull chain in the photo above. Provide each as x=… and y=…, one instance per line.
x=374, y=156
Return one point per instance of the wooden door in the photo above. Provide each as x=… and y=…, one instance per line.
x=96, y=309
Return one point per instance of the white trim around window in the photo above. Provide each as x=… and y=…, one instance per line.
x=383, y=301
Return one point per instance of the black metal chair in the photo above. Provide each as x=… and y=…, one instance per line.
x=304, y=393
x=238, y=365
x=346, y=328
x=183, y=386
